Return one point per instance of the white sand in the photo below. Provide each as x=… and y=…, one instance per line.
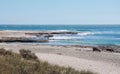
x=80, y=64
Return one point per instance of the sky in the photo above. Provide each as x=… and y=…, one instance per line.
x=59, y=11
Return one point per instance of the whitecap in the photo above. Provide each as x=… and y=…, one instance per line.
x=64, y=37
x=59, y=30
x=85, y=33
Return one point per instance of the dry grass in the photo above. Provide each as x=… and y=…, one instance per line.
x=27, y=63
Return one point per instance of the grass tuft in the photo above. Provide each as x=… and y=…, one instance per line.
x=27, y=54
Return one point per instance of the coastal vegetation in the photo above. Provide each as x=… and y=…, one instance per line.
x=27, y=62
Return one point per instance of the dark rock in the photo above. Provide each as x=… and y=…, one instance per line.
x=111, y=50
x=63, y=33
x=96, y=49
x=108, y=48
x=50, y=33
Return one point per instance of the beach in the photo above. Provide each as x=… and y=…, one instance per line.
x=75, y=57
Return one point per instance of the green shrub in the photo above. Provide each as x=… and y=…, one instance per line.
x=4, y=52
x=26, y=54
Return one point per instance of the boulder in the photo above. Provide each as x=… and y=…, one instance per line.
x=111, y=50
x=96, y=49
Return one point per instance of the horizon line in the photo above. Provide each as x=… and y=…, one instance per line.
x=59, y=24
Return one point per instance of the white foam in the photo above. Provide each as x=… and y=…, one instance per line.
x=64, y=37
x=85, y=33
x=107, y=32
x=98, y=32
x=59, y=31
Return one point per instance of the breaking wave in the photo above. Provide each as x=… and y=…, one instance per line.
x=86, y=33
x=64, y=37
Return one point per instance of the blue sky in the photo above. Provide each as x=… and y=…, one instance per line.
x=59, y=11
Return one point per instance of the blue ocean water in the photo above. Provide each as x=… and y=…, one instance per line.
x=87, y=34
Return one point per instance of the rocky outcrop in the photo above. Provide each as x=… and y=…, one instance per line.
x=107, y=48
x=49, y=34
x=97, y=49
x=20, y=39
x=63, y=33
x=28, y=36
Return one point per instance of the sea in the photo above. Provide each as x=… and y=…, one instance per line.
x=88, y=35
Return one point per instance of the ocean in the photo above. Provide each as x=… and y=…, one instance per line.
x=87, y=34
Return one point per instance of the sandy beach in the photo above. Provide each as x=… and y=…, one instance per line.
x=75, y=57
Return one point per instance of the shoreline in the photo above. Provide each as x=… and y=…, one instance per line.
x=11, y=36
x=44, y=33
x=60, y=50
